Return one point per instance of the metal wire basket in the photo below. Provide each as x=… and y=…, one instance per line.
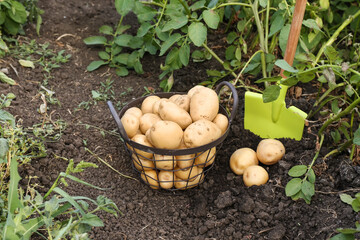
x=173, y=169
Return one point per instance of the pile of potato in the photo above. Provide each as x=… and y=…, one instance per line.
x=245, y=161
x=182, y=121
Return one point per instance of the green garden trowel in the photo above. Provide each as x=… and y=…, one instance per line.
x=274, y=119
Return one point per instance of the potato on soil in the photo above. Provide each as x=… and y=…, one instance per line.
x=182, y=100
x=204, y=104
x=141, y=139
x=166, y=135
x=166, y=179
x=188, y=174
x=241, y=159
x=171, y=112
x=255, y=175
x=221, y=121
x=147, y=120
x=270, y=151
x=142, y=164
x=164, y=162
x=206, y=158
x=151, y=178
x=131, y=124
x=135, y=111
x=201, y=132
x=148, y=102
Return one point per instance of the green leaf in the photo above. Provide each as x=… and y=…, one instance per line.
x=123, y=40
x=290, y=81
x=271, y=93
x=311, y=175
x=311, y=23
x=230, y=52
x=169, y=42
x=346, y=198
x=175, y=23
x=122, y=71
x=13, y=195
x=306, y=77
x=356, y=205
x=342, y=236
x=297, y=170
x=293, y=187
x=17, y=12
x=331, y=53
x=70, y=199
x=143, y=29
x=197, y=33
x=211, y=18
x=107, y=30
x=123, y=7
x=7, y=117
x=64, y=230
x=281, y=63
x=357, y=137
x=230, y=38
x=4, y=78
x=95, y=65
x=283, y=38
x=136, y=42
x=355, y=79
x=277, y=24
x=4, y=147
x=122, y=58
x=104, y=55
x=269, y=79
x=184, y=54
x=3, y=45
x=92, y=220
x=27, y=63
x=308, y=189
x=95, y=40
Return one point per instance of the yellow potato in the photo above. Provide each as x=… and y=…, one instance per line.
x=206, y=158
x=147, y=104
x=185, y=161
x=187, y=174
x=164, y=162
x=135, y=111
x=156, y=105
x=182, y=184
x=204, y=104
x=131, y=124
x=270, y=151
x=182, y=100
x=194, y=90
x=141, y=139
x=166, y=179
x=142, y=164
x=171, y=112
x=255, y=175
x=201, y=132
x=241, y=159
x=222, y=122
x=166, y=135
x=147, y=120
x=151, y=178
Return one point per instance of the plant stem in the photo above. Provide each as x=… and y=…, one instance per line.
x=339, y=115
x=152, y=3
x=188, y=12
x=336, y=34
x=340, y=149
x=317, y=152
x=232, y=4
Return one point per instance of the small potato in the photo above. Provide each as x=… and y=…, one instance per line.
x=131, y=124
x=185, y=161
x=156, y=105
x=201, y=132
x=242, y=159
x=182, y=100
x=147, y=104
x=255, y=175
x=164, y=162
x=151, y=178
x=135, y=111
x=147, y=120
x=166, y=179
x=182, y=184
x=194, y=90
x=166, y=135
x=270, y=151
x=222, y=122
x=206, y=158
x=141, y=139
x=142, y=164
x=204, y=104
x=187, y=174
x=171, y=112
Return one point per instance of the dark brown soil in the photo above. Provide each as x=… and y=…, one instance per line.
x=221, y=207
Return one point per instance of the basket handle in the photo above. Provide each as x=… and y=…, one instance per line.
x=234, y=95
x=118, y=121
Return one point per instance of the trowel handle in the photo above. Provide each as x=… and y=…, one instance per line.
x=118, y=121
x=294, y=33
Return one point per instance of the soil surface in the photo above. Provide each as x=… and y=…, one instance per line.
x=222, y=207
